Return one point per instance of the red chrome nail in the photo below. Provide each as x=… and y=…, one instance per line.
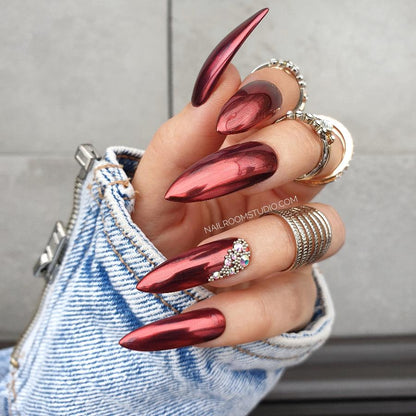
x=189, y=269
x=177, y=331
x=221, y=56
x=200, y=265
x=251, y=104
x=228, y=170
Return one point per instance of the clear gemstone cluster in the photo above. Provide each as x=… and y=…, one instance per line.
x=235, y=260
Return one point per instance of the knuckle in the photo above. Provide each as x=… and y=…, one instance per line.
x=310, y=141
x=296, y=305
x=301, y=295
x=337, y=225
x=166, y=133
x=263, y=313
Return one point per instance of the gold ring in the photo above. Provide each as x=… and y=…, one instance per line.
x=342, y=133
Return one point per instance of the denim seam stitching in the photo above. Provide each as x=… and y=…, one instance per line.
x=138, y=249
x=11, y=391
x=134, y=274
x=129, y=269
x=128, y=237
x=237, y=348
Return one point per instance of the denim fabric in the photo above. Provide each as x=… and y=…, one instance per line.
x=71, y=362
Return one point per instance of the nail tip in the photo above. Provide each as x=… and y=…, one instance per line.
x=131, y=341
x=248, y=162
x=151, y=282
x=143, y=288
x=123, y=343
x=200, y=94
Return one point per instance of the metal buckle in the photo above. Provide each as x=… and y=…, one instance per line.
x=54, y=251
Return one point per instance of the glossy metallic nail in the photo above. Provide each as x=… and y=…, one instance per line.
x=228, y=170
x=177, y=331
x=251, y=104
x=221, y=56
x=200, y=265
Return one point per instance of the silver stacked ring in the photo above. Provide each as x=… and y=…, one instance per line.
x=291, y=69
x=311, y=230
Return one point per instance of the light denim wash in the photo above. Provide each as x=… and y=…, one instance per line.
x=71, y=362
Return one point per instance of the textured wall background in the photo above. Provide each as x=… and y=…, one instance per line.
x=99, y=72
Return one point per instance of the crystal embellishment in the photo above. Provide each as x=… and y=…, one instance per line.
x=236, y=259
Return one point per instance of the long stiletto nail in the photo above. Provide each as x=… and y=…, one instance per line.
x=207, y=263
x=177, y=331
x=251, y=104
x=228, y=170
x=221, y=56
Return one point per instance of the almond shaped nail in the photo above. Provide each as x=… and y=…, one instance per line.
x=220, y=173
x=188, y=328
x=252, y=103
x=221, y=56
x=206, y=263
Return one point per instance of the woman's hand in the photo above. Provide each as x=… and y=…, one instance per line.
x=261, y=300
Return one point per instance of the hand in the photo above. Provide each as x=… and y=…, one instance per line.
x=262, y=300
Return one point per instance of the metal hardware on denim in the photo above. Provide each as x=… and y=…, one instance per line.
x=86, y=155
x=51, y=258
x=70, y=361
x=53, y=253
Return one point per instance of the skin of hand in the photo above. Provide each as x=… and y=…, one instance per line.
x=278, y=301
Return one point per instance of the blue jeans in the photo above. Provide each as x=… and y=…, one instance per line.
x=70, y=362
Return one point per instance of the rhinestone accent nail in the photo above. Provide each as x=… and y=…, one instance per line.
x=237, y=259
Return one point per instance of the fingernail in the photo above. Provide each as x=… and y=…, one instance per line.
x=206, y=263
x=221, y=56
x=177, y=331
x=220, y=173
x=251, y=104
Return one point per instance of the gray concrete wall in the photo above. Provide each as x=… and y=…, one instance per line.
x=73, y=72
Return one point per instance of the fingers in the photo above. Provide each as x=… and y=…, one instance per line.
x=254, y=250
x=266, y=160
x=272, y=304
x=192, y=134
x=265, y=309
x=179, y=142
